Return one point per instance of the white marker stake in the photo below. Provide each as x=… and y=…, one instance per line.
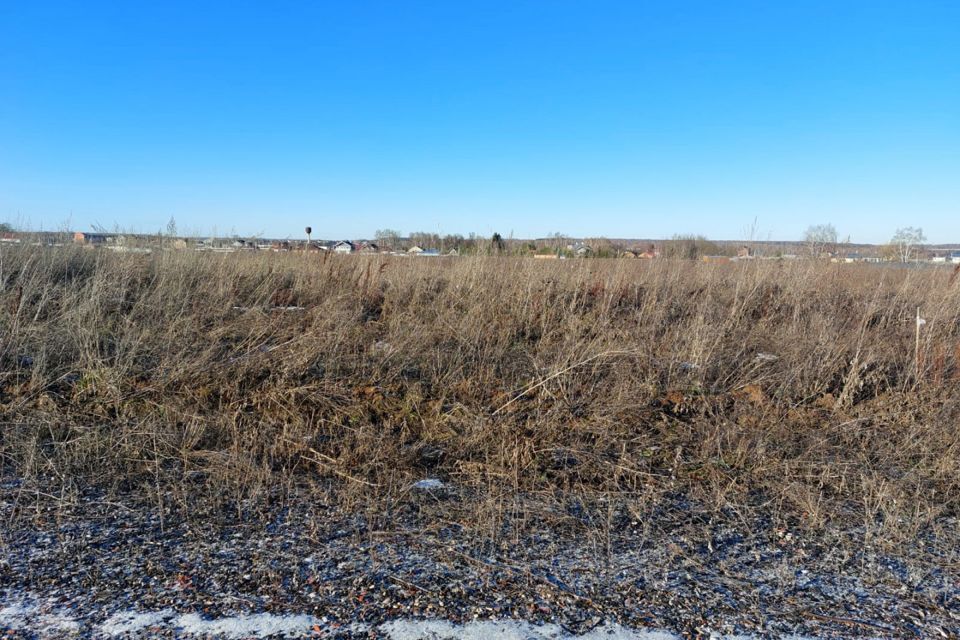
x=916, y=348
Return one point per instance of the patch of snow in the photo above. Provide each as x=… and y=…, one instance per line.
x=246, y=625
x=128, y=622
x=28, y=616
x=509, y=630
x=13, y=615
x=428, y=483
x=60, y=622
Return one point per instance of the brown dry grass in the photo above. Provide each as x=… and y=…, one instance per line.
x=524, y=383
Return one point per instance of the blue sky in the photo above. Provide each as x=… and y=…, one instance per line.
x=623, y=119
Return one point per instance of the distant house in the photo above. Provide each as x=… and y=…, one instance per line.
x=954, y=257
x=744, y=252
x=430, y=253
x=280, y=245
x=717, y=259
x=414, y=250
x=344, y=246
x=368, y=247
x=649, y=253
x=91, y=239
x=854, y=256
x=9, y=237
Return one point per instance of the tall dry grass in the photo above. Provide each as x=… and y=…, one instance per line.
x=789, y=388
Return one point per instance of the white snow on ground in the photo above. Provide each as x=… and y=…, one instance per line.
x=47, y=622
x=508, y=630
x=127, y=622
x=25, y=615
x=12, y=614
x=522, y=630
x=257, y=625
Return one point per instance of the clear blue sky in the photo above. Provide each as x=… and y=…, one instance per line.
x=624, y=119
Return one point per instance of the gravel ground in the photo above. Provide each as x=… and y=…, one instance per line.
x=101, y=566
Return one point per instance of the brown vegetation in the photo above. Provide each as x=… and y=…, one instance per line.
x=782, y=387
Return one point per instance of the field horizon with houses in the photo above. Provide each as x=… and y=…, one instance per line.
x=907, y=246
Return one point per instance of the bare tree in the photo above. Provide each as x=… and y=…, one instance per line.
x=387, y=238
x=425, y=239
x=497, y=244
x=820, y=239
x=690, y=247
x=906, y=241
x=559, y=241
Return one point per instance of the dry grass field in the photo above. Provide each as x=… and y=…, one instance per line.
x=790, y=389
